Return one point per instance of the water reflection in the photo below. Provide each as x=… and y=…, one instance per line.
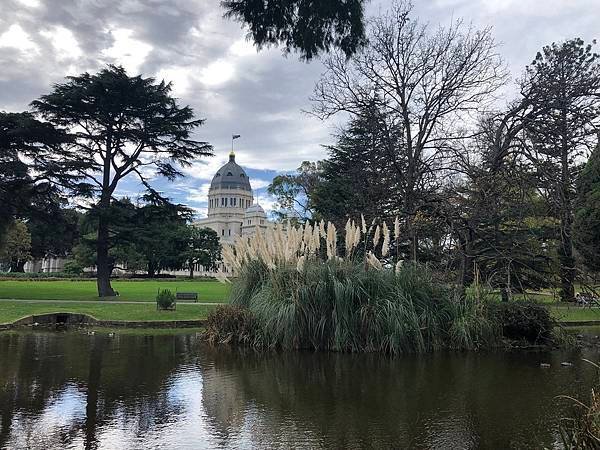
x=72, y=390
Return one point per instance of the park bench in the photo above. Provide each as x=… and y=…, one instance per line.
x=187, y=296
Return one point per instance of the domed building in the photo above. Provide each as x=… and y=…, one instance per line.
x=231, y=208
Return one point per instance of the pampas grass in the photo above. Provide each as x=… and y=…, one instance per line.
x=304, y=294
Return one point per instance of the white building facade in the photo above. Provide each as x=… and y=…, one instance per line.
x=231, y=208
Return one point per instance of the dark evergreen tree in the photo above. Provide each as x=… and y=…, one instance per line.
x=32, y=167
x=563, y=87
x=120, y=126
x=308, y=26
x=586, y=226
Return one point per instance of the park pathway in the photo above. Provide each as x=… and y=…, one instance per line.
x=108, y=302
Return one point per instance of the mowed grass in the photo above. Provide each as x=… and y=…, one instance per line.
x=574, y=313
x=11, y=310
x=208, y=291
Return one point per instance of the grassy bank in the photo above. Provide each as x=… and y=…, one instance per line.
x=208, y=291
x=14, y=309
x=574, y=314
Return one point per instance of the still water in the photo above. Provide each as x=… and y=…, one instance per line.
x=169, y=391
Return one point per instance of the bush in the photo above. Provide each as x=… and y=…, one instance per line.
x=524, y=320
x=72, y=268
x=50, y=276
x=230, y=324
x=343, y=306
x=165, y=299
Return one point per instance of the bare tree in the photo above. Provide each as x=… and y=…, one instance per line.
x=429, y=79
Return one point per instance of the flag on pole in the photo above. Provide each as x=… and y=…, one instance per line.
x=235, y=136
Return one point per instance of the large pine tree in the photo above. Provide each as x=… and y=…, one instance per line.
x=586, y=226
x=563, y=87
x=120, y=126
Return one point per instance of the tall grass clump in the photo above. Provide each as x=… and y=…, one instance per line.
x=581, y=429
x=304, y=293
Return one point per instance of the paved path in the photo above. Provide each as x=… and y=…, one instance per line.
x=106, y=302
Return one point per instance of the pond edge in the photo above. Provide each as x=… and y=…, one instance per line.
x=78, y=319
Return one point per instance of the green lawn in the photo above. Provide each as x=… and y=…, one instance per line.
x=574, y=313
x=11, y=310
x=208, y=291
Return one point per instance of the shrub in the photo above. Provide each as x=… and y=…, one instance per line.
x=72, y=268
x=50, y=276
x=230, y=324
x=341, y=306
x=524, y=320
x=165, y=299
x=304, y=293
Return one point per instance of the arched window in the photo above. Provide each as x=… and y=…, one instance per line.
x=241, y=175
x=229, y=174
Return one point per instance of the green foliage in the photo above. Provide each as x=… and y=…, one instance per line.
x=310, y=27
x=165, y=299
x=118, y=125
x=150, y=237
x=55, y=232
x=203, y=247
x=17, y=247
x=341, y=306
x=72, y=267
x=295, y=192
x=586, y=226
x=524, y=320
x=562, y=89
x=363, y=172
x=31, y=158
x=230, y=324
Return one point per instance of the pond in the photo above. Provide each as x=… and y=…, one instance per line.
x=148, y=390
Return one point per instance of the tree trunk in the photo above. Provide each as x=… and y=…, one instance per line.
x=466, y=261
x=102, y=258
x=191, y=270
x=151, y=269
x=565, y=251
x=566, y=260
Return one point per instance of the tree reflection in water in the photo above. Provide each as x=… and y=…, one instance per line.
x=71, y=390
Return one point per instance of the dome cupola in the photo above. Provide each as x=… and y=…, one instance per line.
x=231, y=176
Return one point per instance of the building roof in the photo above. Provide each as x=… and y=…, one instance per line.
x=231, y=176
x=255, y=209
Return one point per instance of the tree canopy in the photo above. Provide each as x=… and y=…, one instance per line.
x=310, y=27
x=120, y=126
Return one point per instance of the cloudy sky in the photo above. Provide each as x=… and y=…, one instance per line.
x=260, y=95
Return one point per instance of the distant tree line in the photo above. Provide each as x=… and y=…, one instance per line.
x=510, y=196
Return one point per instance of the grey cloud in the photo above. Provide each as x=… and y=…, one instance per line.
x=264, y=98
